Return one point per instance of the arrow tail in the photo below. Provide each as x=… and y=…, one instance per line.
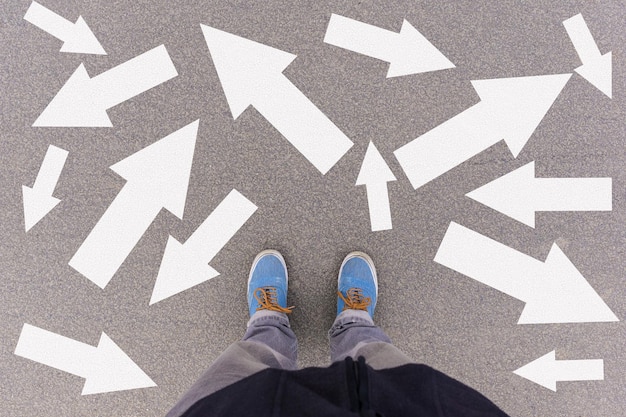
x=378, y=203
x=574, y=194
x=580, y=370
x=581, y=38
x=50, y=170
x=48, y=21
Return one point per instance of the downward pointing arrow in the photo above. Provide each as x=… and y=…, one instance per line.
x=554, y=291
x=106, y=368
x=596, y=68
x=157, y=177
x=375, y=174
x=185, y=265
x=407, y=52
x=83, y=101
x=519, y=194
x=510, y=109
x=76, y=37
x=38, y=201
x=546, y=370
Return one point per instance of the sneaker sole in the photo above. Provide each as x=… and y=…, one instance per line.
x=261, y=255
x=366, y=257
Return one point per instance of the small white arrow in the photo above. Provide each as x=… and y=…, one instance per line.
x=76, y=37
x=375, y=174
x=519, y=194
x=185, y=265
x=546, y=370
x=83, y=101
x=510, y=109
x=596, y=68
x=407, y=52
x=38, y=200
x=106, y=368
x=251, y=74
x=554, y=291
x=157, y=177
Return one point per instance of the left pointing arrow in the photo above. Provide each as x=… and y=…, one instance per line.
x=38, y=200
x=157, y=177
x=84, y=101
x=106, y=368
x=76, y=37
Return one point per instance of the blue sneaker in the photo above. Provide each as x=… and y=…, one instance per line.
x=357, y=284
x=267, y=283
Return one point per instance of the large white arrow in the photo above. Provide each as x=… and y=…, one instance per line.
x=375, y=174
x=519, y=194
x=546, y=370
x=251, y=74
x=510, y=109
x=38, y=200
x=106, y=368
x=596, y=68
x=76, y=37
x=157, y=177
x=185, y=265
x=554, y=291
x=83, y=101
x=407, y=52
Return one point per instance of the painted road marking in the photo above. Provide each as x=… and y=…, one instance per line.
x=375, y=174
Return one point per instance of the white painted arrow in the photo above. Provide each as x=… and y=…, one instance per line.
x=596, y=68
x=157, y=177
x=76, y=37
x=38, y=200
x=554, y=291
x=510, y=109
x=106, y=368
x=519, y=194
x=375, y=174
x=185, y=265
x=546, y=370
x=83, y=101
x=407, y=52
x=251, y=74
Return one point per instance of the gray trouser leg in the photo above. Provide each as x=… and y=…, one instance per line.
x=268, y=342
x=354, y=334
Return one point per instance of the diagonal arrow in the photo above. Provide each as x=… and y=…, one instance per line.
x=157, y=177
x=251, y=74
x=76, y=37
x=554, y=291
x=375, y=174
x=596, y=68
x=106, y=368
x=83, y=101
x=519, y=194
x=546, y=370
x=510, y=109
x=407, y=52
x=185, y=265
x=38, y=200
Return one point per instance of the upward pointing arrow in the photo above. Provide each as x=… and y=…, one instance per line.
x=157, y=177
x=251, y=74
x=510, y=109
x=407, y=52
x=76, y=37
x=596, y=68
x=83, y=101
x=106, y=368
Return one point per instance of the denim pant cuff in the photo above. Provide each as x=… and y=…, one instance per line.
x=350, y=317
x=268, y=317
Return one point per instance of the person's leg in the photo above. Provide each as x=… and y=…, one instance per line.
x=268, y=342
x=354, y=333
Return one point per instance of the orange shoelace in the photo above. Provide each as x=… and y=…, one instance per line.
x=267, y=298
x=355, y=299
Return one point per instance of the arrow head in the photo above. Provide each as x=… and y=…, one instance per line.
x=599, y=72
x=374, y=168
x=414, y=54
x=180, y=270
x=113, y=370
x=36, y=206
x=541, y=371
x=82, y=40
x=245, y=68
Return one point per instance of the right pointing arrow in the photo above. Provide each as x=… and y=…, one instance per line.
x=554, y=291
x=375, y=174
x=546, y=370
x=519, y=194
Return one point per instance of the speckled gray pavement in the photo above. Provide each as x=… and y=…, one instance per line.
x=435, y=315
